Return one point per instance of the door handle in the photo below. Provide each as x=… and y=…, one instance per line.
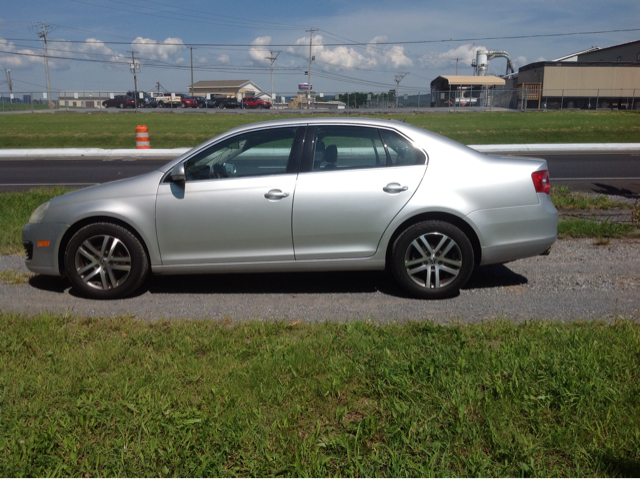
x=275, y=194
x=394, y=188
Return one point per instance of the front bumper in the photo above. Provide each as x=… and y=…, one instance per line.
x=42, y=243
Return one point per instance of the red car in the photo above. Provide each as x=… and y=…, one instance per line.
x=254, y=102
x=187, y=101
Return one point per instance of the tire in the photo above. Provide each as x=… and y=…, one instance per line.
x=160, y=105
x=183, y=105
x=121, y=105
x=105, y=261
x=432, y=260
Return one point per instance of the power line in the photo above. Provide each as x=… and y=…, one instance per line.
x=402, y=42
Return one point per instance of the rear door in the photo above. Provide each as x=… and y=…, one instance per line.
x=356, y=181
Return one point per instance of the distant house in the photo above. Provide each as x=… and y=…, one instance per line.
x=87, y=99
x=227, y=88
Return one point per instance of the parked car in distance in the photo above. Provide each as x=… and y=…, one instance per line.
x=120, y=101
x=201, y=100
x=187, y=101
x=255, y=102
x=317, y=194
x=165, y=100
x=147, y=101
x=223, y=103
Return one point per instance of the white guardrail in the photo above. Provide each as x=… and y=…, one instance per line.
x=170, y=153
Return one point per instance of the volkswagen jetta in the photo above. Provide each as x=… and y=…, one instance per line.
x=325, y=194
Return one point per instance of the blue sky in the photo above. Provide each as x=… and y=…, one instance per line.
x=232, y=40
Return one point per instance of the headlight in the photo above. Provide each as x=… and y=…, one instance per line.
x=38, y=214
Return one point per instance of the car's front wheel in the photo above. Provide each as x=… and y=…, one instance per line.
x=432, y=259
x=105, y=261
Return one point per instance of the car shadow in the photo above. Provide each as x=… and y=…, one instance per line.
x=313, y=283
x=604, y=189
x=494, y=276
x=53, y=284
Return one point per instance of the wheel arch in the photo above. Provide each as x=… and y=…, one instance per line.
x=73, y=229
x=456, y=221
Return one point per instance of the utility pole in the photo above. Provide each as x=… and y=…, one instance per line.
x=398, y=79
x=309, y=72
x=135, y=67
x=8, y=73
x=273, y=59
x=43, y=35
x=192, y=49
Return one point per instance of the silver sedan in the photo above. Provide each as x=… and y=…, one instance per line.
x=325, y=194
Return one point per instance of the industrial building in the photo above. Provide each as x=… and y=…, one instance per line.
x=597, y=78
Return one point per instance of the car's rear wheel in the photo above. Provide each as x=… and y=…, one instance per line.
x=160, y=105
x=432, y=259
x=105, y=261
x=121, y=105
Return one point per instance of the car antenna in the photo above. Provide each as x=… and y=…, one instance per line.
x=404, y=119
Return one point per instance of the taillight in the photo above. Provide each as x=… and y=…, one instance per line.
x=541, y=181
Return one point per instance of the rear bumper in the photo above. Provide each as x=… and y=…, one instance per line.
x=507, y=234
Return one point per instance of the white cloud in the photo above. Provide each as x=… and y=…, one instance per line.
x=202, y=60
x=168, y=50
x=520, y=61
x=95, y=46
x=349, y=57
x=257, y=52
x=464, y=54
x=224, y=58
x=18, y=58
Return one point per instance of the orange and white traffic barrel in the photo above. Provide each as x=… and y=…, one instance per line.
x=142, y=138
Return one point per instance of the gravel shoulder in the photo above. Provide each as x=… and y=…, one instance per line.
x=579, y=280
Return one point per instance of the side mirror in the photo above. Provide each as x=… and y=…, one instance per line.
x=177, y=173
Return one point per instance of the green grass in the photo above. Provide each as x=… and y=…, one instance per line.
x=563, y=198
x=119, y=397
x=578, y=228
x=12, y=278
x=176, y=130
x=15, y=209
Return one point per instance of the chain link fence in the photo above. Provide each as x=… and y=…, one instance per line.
x=469, y=97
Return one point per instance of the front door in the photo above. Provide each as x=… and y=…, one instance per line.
x=235, y=204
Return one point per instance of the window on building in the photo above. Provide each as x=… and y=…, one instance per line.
x=638, y=59
x=619, y=59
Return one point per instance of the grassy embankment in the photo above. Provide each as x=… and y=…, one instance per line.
x=119, y=397
x=179, y=130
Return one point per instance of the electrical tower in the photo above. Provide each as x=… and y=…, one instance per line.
x=43, y=35
x=192, y=49
x=309, y=72
x=273, y=59
x=398, y=79
x=9, y=83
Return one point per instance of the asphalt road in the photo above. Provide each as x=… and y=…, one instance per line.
x=614, y=174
